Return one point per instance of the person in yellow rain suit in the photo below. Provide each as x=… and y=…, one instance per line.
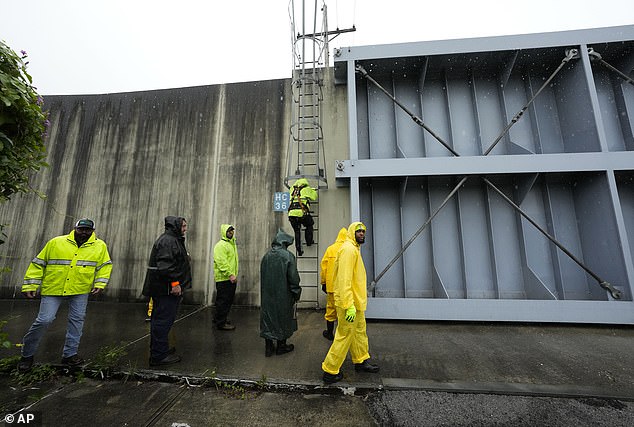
x=299, y=212
x=350, y=301
x=327, y=282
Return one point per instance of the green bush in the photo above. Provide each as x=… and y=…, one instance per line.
x=23, y=125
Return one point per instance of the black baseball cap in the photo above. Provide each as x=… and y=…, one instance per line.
x=85, y=223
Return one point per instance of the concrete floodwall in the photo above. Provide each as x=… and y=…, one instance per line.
x=213, y=154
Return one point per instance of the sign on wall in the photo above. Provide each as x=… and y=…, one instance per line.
x=281, y=200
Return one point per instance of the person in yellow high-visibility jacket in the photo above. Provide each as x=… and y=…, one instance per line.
x=327, y=279
x=225, y=275
x=299, y=212
x=351, y=300
x=68, y=269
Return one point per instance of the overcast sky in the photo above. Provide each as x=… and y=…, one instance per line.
x=105, y=46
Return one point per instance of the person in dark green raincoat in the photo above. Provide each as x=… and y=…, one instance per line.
x=279, y=291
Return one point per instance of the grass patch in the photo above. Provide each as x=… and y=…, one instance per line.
x=37, y=374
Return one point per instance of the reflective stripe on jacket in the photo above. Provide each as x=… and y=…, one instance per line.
x=225, y=256
x=350, y=276
x=328, y=261
x=61, y=268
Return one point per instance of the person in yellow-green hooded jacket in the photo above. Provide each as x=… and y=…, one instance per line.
x=68, y=269
x=225, y=276
x=299, y=212
x=351, y=300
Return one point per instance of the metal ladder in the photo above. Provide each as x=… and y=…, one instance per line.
x=306, y=156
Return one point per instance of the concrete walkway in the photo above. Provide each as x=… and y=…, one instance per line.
x=524, y=359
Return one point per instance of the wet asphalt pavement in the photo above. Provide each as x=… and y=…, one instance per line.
x=432, y=373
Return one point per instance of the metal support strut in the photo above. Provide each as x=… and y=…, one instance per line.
x=570, y=54
x=596, y=57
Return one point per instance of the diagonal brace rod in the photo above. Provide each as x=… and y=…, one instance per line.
x=415, y=235
x=596, y=56
x=414, y=117
x=570, y=54
x=616, y=294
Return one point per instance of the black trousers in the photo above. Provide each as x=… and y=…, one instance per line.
x=225, y=292
x=163, y=317
x=297, y=222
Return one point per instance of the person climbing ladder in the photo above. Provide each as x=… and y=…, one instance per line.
x=299, y=212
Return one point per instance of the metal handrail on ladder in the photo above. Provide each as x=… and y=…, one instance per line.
x=305, y=155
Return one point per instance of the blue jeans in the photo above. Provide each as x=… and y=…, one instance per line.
x=48, y=310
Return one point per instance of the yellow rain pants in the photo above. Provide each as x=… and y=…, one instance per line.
x=348, y=336
x=331, y=313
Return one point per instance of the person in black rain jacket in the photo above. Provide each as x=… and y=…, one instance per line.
x=168, y=276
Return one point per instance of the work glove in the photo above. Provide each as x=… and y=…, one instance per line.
x=351, y=313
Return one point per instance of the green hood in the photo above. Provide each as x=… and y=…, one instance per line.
x=282, y=239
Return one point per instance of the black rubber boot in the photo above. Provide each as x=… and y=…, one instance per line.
x=270, y=348
x=332, y=378
x=282, y=347
x=328, y=333
x=25, y=364
x=366, y=367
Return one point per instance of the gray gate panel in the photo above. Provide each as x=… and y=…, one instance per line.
x=409, y=136
x=365, y=216
x=562, y=218
x=611, y=103
x=626, y=113
x=505, y=242
x=381, y=123
x=598, y=231
x=462, y=118
x=578, y=126
x=545, y=118
x=386, y=234
x=363, y=126
x=625, y=182
x=446, y=239
x=435, y=116
x=488, y=113
x=515, y=97
x=536, y=247
x=566, y=161
x=417, y=258
x=474, y=229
